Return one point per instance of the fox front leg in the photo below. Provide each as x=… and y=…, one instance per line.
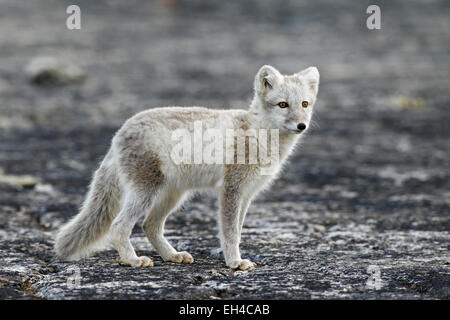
x=230, y=229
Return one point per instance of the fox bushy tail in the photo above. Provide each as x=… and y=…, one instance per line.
x=84, y=233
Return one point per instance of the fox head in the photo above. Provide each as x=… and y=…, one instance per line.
x=286, y=101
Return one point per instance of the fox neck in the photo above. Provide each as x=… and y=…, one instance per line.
x=257, y=119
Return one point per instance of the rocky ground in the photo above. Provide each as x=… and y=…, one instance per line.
x=367, y=196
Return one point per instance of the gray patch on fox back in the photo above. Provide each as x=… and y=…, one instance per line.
x=141, y=165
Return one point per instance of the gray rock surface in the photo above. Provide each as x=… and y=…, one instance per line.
x=367, y=194
x=51, y=71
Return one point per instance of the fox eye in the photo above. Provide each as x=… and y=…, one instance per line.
x=305, y=104
x=283, y=105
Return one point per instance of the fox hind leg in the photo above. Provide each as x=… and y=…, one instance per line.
x=163, y=205
x=133, y=208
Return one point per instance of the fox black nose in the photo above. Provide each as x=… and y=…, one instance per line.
x=301, y=126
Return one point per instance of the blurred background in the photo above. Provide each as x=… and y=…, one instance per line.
x=371, y=180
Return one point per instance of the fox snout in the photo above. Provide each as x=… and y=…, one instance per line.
x=297, y=127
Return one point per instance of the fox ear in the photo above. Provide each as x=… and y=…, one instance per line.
x=311, y=76
x=265, y=79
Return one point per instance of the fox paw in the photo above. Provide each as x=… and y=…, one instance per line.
x=242, y=264
x=143, y=262
x=181, y=257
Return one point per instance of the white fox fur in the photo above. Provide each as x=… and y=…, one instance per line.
x=138, y=177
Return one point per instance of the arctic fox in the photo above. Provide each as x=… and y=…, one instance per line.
x=138, y=176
